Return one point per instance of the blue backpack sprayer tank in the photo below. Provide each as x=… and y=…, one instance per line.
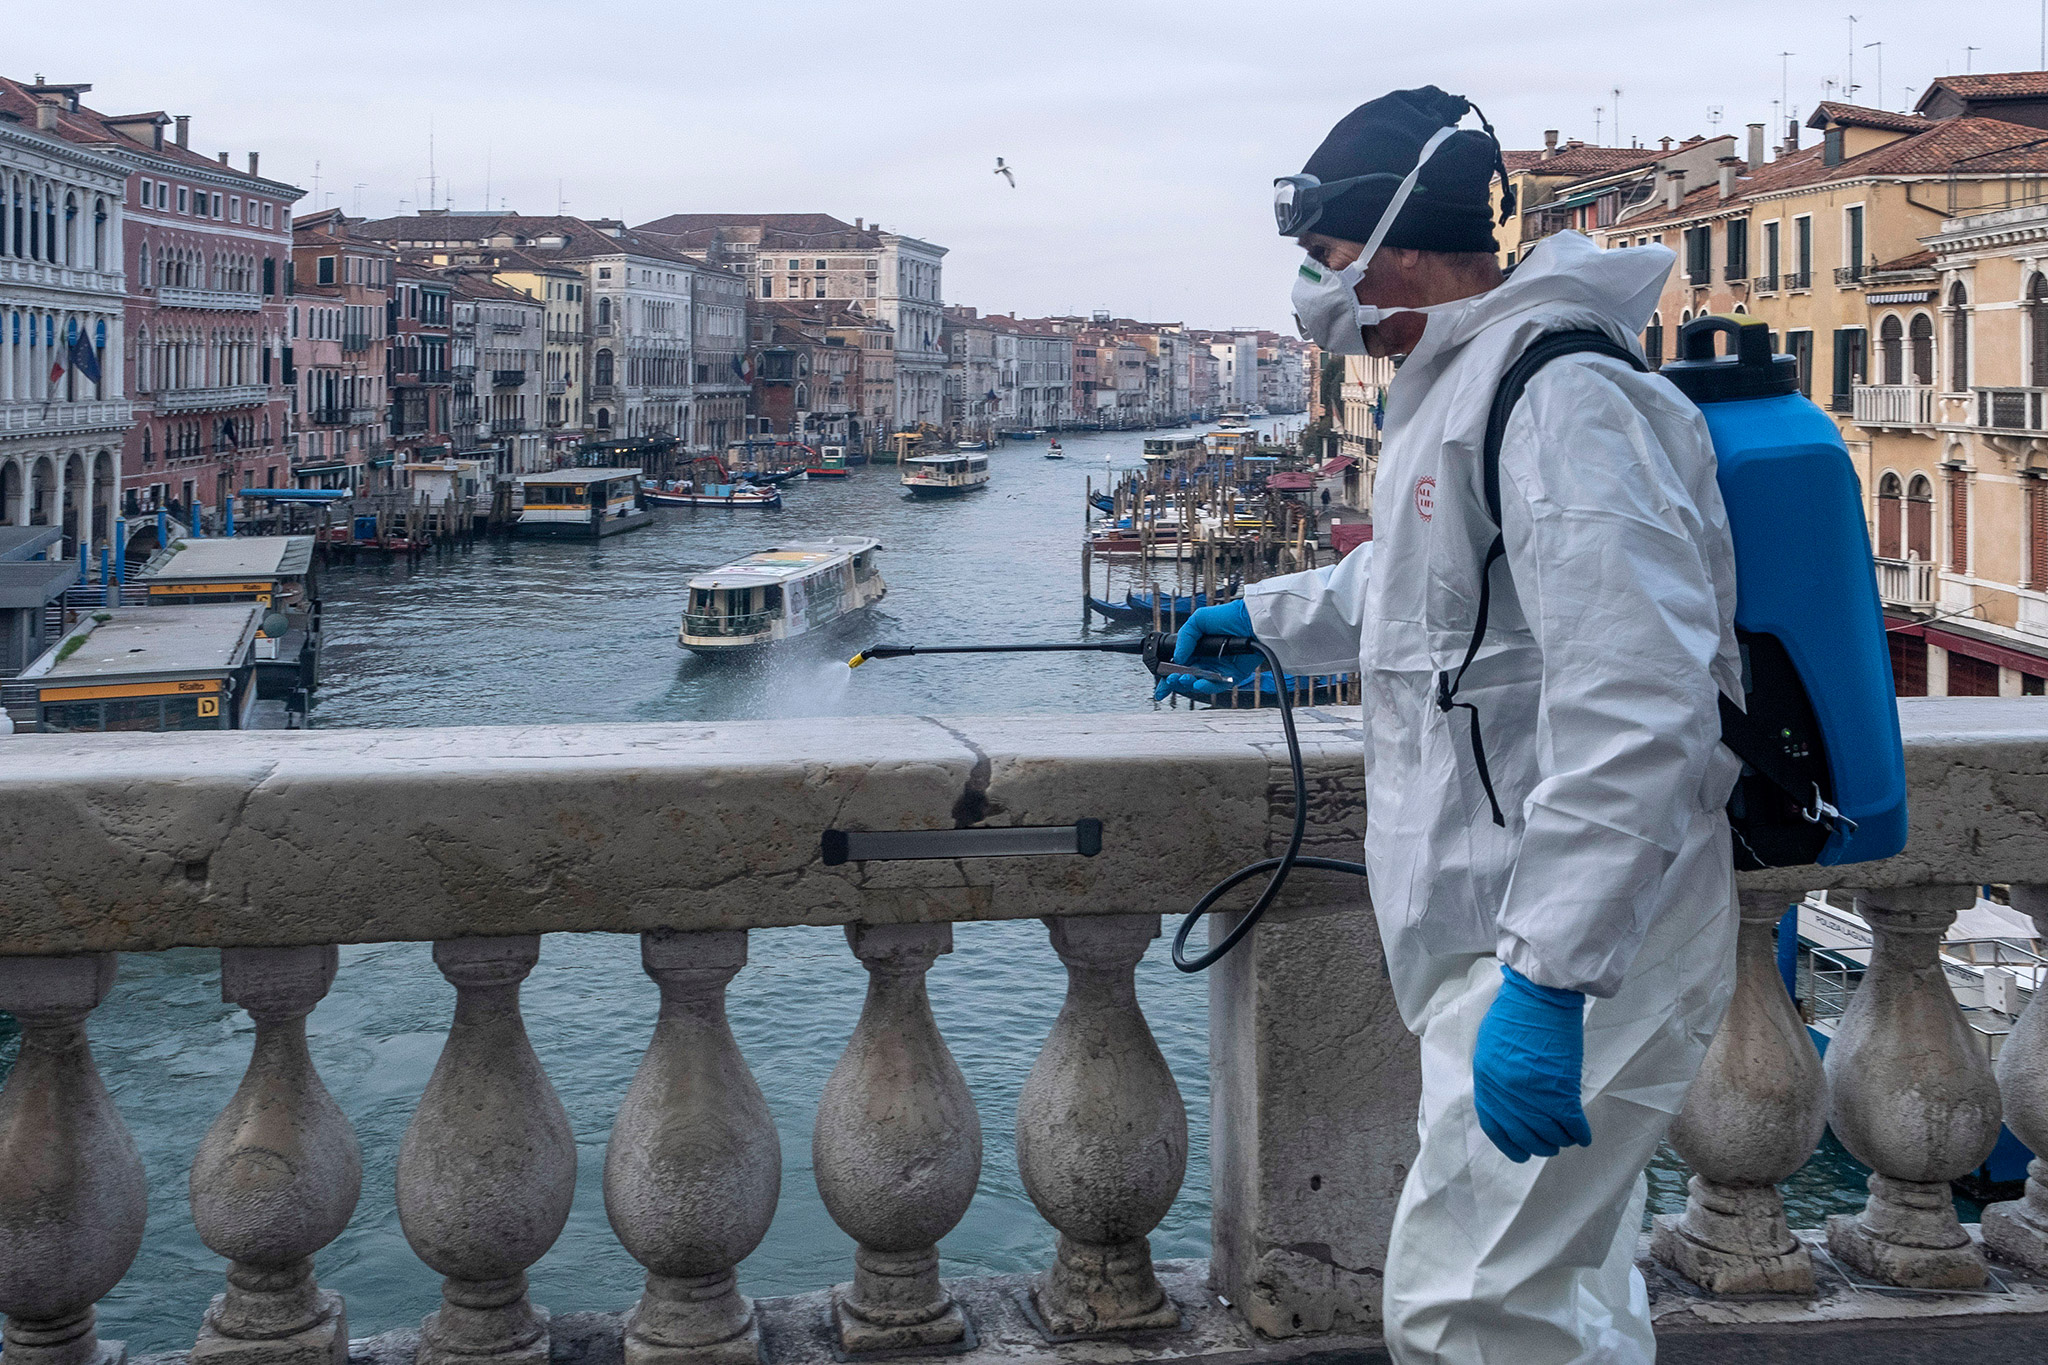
x=1823, y=777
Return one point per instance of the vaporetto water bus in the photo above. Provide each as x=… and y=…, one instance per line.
x=580, y=504
x=780, y=593
x=938, y=476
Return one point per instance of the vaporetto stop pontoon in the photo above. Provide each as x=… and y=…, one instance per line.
x=780, y=593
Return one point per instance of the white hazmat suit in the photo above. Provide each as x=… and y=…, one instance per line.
x=1611, y=631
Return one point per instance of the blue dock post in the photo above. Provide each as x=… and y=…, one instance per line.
x=121, y=551
x=84, y=563
x=106, y=571
x=227, y=512
x=195, y=519
x=1788, y=951
x=163, y=538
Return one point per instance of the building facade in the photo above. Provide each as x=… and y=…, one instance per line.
x=420, y=424
x=341, y=287
x=61, y=283
x=896, y=279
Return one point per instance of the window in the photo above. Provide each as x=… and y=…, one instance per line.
x=269, y=275
x=2037, y=330
x=1800, y=346
x=604, y=272
x=268, y=210
x=1889, y=509
x=1891, y=351
x=1802, y=252
x=821, y=265
x=1921, y=338
x=144, y=192
x=1958, y=338
x=234, y=208
x=1699, y=249
x=216, y=206
x=793, y=264
x=1850, y=349
x=181, y=199
x=1770, y=280
x=1831, y=147
x=1736, y=260
x=323, y=270
x=1852, y=241
x=1959, y=521
x=2037, y=533
x=1920, y=519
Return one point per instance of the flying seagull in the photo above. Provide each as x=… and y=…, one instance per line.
x=1006, y=173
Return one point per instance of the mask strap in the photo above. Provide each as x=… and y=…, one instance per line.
x=1386, y=222
x=1500, y=164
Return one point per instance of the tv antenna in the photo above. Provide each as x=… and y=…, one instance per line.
x=1879, y=45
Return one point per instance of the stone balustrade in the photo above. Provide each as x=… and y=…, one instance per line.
x=694, y=837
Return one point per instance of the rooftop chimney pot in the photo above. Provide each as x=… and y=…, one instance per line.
x=1792, y=135
x=184, y=122
x=1674, y=189
x=46, y=116
x=1756, y=145
x=1549, y=143
x=1666, y=144
x=223, y=156
x=252, y=163
x=1729, y=165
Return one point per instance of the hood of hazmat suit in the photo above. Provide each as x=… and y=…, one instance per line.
x=1611, y=631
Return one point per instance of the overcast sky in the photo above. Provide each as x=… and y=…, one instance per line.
x=1145, y=133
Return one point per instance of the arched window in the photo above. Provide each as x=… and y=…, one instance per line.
x=1920, y=518
x=604, y=367
x=1888, y=516
x=604, y=312
x=145, y=445
x=803, y=398
x=1891, y=350
x=99, y=234
x=2037, y=330
x=604, y=419
x=1958, y=338
x=1921, y=335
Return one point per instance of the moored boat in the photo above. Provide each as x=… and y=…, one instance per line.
x=779, y=594
x=713, y=495
x=829, y=463
x=970, y=445
x=935, y=476
x=580, y=504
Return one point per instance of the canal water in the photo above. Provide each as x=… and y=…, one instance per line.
x=525, y=633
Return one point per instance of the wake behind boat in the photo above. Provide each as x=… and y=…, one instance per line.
x=779, y=594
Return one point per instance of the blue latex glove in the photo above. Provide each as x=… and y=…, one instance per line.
x=1525, y=1069
x=1225, y=618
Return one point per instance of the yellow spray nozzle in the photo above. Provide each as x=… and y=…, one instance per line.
x=857, y=660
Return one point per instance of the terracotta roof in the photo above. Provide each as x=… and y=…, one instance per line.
x=1999, y=85
x=1858, y=116
x=1918, y=260
x=91, y=129
x=1584, y=160
x=582, y=238
x=782, y=231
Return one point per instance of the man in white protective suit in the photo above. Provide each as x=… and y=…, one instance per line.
x=1547, y=841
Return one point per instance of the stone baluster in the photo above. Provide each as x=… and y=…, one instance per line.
x=72, y=1194
x=694, y=1167
x=487, y=1167
x=2018, y=1230
x=1102, y=1137
x=1752, y=1118
x=1911, y=1096
x=897, y=1149
x=277, y=1176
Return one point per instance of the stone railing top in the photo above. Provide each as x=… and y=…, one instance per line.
x=228, y=838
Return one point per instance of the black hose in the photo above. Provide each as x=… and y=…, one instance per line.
x=1281, y=865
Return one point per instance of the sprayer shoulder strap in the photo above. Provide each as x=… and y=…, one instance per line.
x=1541, y=353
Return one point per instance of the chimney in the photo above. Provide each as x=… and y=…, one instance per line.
x=1756, y=145
x=252, y=163
x=1792, y=135
x=857, y=226
x=223, y=157
x=46, y=116
x=1549, y=143
x=1674, y=188
x=1667, y=144
x=184, y=122
x=1729, y=166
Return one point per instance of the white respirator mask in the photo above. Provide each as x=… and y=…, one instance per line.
x=1326, y=306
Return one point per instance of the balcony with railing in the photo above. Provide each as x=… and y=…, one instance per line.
x=219, y=300
x=355, y=341
x=210, y=399
x=341, y=416
x=1846, y=275
x=1893, y=405
x=146, y=844
x=92, y=414
x=557, y=387
x=1698, y=276
x=1765, y=284
x=507, y=379
x=2011, y=409
x=507, y=329
x=1911, y=584
x=507, y=426
x=1798, y=279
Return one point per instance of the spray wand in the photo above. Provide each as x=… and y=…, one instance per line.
x=1157, y=649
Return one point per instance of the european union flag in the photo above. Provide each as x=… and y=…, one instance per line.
x=84, y=360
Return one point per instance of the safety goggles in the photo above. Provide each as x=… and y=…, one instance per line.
x=1299, y=200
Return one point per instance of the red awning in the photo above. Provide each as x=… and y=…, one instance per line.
x=1337, y=464
x=1346, y=536
x=1291, y=482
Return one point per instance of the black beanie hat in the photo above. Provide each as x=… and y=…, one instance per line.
x=1448, y=210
